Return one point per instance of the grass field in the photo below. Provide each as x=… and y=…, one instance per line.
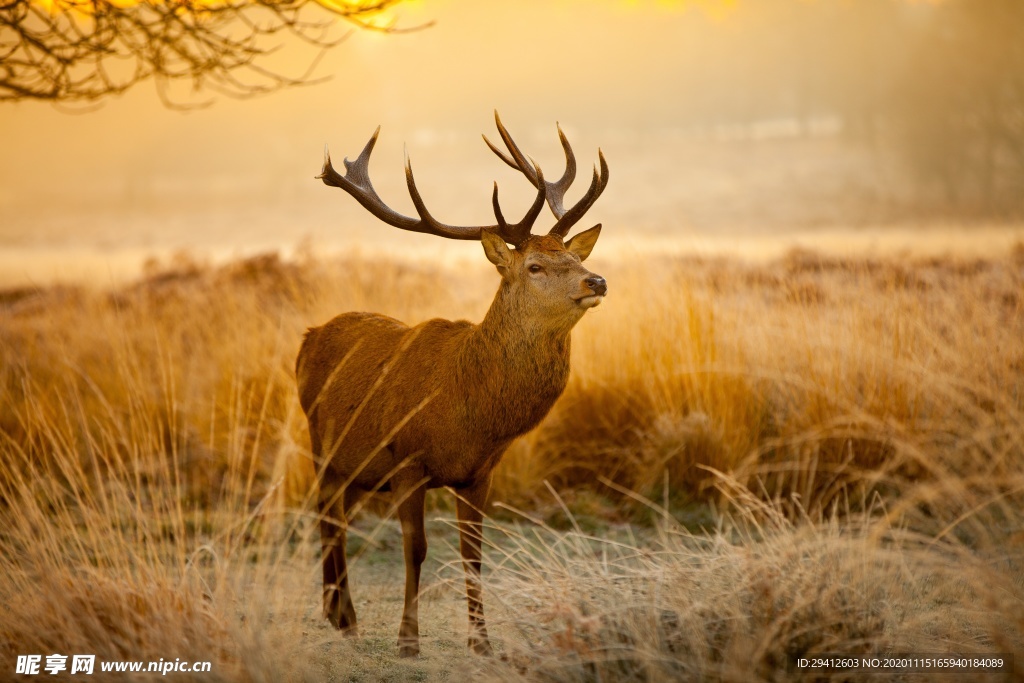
x=752, y=463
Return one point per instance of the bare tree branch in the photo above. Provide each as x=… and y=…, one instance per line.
x=86, y=50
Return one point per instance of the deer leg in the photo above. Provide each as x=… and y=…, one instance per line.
x=338, y=606
x=409, y=489
x=470, y=511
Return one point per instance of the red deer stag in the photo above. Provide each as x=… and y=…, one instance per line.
x=405, y=409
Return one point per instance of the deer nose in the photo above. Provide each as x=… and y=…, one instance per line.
x=597, y=284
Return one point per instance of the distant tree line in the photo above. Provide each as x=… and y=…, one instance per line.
x=938, y=86
x=957, y=104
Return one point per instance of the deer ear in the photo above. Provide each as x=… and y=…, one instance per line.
x=497, y=251
x=583, y=243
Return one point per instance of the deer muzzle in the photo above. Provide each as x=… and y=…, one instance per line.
x=596, y=288
x=597, y=285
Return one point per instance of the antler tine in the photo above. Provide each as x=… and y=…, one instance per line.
x=519, y=232
x=360, y=168
x=417, y=200
x=567, y=177
x=502, y=224
x=504, y=157
x=573, y=215
x=556, y=190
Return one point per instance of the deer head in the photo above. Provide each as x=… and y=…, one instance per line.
x=544, y=270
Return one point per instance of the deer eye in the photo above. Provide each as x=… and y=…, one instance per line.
x=534, y=268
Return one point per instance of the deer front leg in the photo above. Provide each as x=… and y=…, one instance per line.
x=410, y=490
x=471, y=534
x=338, y=607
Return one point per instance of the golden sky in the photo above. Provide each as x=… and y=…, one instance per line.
x=594, y=66
x=660, y=85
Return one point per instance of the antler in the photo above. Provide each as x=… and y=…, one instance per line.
x=555, y=191
x=356, y=182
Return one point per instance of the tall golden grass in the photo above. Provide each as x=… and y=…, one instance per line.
x=848, y=432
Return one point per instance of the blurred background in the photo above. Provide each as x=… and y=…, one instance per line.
x=736, y=125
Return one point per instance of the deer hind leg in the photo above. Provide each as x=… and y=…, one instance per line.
x=338, y=607
x=471, y=534
x=410, y=490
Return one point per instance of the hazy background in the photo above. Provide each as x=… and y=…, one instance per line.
x=749, y=124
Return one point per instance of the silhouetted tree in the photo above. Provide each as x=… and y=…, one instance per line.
x=83, y=50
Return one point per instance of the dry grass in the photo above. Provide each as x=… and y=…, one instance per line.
x=851, y=432
x=743, y=603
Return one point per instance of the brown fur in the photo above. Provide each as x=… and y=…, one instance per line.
x=403, y=409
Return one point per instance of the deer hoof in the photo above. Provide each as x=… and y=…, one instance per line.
x=344, y=623
x=408, y=649
x=481, y=646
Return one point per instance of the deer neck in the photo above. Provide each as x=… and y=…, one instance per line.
x=519, y=364
x=512, y=329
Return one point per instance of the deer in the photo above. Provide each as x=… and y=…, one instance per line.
x=400, y=409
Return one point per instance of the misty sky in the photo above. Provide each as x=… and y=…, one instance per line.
x=657, y=85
